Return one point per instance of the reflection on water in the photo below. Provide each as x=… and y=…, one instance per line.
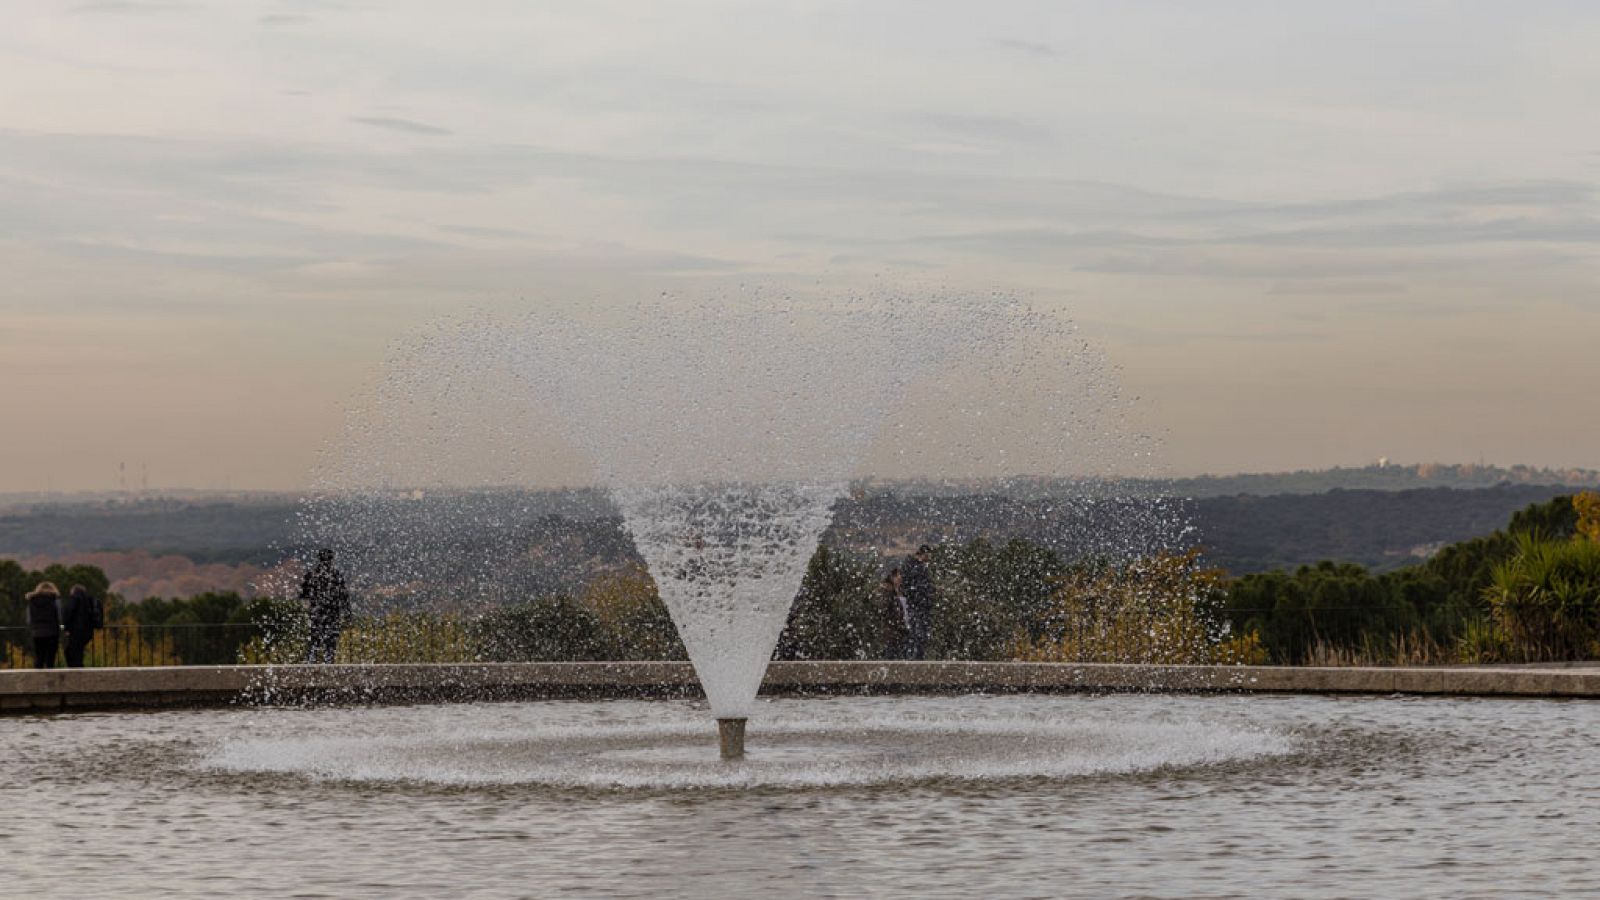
x=916, y=797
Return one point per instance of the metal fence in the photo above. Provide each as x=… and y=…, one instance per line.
x=142, y=645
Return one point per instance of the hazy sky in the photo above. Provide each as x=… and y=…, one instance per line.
x=1309, y=233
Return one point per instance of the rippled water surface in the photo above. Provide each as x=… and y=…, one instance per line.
x=1041, y=796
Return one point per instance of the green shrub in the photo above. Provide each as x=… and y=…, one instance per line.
x=549, y=629
x=1545, y=599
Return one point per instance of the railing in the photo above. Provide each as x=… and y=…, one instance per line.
x=142, y=645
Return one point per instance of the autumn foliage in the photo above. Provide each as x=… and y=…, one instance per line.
x=1587, y=505
x=1158, y=610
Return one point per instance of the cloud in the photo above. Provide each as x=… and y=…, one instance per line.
x=127, y=7
x=1416, y=309
x=1285, y=264
x=1343, y=288
x=1435, y=203
x=1030, y=48
x=1170, y=335
x=1521, y=230
x=985, y=128
x=403, y=125
x=257, y=203
x=1359, y=238
x=480, y=231
x=1033, y=241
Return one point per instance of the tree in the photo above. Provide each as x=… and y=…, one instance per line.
x=838, y=613
x=16, y=583
x=548, y=629
x=1587, y=505
x=989, y=597
x=633, y=619
x=1162, y=609
x=1438, y=609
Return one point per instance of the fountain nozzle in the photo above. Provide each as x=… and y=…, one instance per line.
x=730, y=734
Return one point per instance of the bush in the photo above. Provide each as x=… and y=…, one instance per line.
x=285, y=632
x=838, y=612
x=1164, y=609
x=991, y=597
x=407, y=638
x=633, y=620
x=549, y=629
x=1546, y=598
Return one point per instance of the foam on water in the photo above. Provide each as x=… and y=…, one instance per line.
x=659, y=747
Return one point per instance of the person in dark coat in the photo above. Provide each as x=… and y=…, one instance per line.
x=44, y=621
x=896, y=616
x=328, y=603
x=917, y=583
x=79, y=621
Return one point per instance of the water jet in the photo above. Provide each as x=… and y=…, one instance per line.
x=721, y=437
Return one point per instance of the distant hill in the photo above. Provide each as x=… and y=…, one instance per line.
x=1241, y=533
x=1381, y=478
x=555, y=539
x=1381, y=530
x=204, y=531
x=1375, y=477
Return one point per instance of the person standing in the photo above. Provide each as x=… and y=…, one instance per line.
x=896, y=617
x=917, y=584
x=44, y=622
x=328, y=604
x=79, y=619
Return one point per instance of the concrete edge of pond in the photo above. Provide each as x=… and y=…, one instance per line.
x=31, y=690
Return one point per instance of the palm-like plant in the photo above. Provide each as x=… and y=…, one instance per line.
x=1546, y=599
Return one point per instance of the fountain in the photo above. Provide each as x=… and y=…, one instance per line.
x=726, y=467
x=724, y=433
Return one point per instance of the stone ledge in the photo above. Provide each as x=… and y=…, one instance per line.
x=23, y=691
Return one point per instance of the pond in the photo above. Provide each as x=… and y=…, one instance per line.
x=1006, y=796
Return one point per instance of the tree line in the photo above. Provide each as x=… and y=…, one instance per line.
x=1529, y=592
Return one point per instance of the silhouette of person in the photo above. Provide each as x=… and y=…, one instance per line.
x=44, y=623
x=328, y=604
x=79, y=621
x=917, y=584
x=896, y=617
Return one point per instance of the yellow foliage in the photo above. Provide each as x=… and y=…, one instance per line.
x=393, y=638
x=407, y=638
x=126, y=644
x=261, y=652
x=1587, y=504
x=123, y=644
x=1151, y=611
x=631, y=613
x=617, y=597
x=1240, y=650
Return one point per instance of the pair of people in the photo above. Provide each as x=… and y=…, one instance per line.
x=79, y=615
x=908, y=607
x=49, y=617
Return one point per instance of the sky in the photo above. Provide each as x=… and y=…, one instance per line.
x=1306, y=233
